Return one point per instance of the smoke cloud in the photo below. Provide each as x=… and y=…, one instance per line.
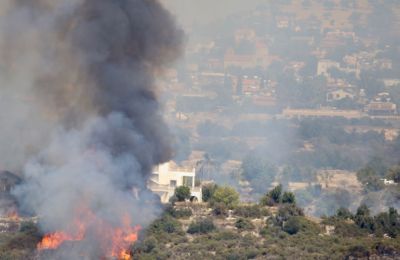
x=78, y=104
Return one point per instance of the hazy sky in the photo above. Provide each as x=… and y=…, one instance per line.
x=204, y=11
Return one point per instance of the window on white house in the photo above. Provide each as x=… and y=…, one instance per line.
x=187, y=181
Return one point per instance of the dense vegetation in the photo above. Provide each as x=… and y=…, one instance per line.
x=228, y=229
x=272, y=229
x=20, y=245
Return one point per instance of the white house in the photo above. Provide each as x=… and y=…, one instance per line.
x=165, y=179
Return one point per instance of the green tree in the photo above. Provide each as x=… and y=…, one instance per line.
x=363, y=210
x=276, y=193
x=225, y=195
x=273, y=197
x=182, y=193
x=208, y=191
x=288, y=197
x=387, y=223
x=363, y=219
x=344, y=213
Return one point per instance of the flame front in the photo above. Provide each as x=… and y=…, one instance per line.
x=115, y=242
x=54, y=240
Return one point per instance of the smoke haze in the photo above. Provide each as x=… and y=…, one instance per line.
x=78, y=104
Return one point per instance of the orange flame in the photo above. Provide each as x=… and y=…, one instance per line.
x=54, y=240
x=13, y=215
x=118, y=239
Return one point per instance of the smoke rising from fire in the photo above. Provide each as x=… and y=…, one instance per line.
x=78, y=104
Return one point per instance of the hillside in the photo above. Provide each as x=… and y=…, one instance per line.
x=246, y=231
x=254, y=231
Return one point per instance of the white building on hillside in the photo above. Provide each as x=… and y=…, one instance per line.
x=339, y=94
x=165, y=180
x=325, y=65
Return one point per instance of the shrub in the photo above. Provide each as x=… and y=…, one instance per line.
x=208, y=191
x=251, y=211
x=288, y=197
x=165, y=224
x=226, y=235
x=387, y=222
x=363, y=219
x=292, y=226
x=182, y=193
x=344, y=228
x=358, y=251
x=149, y=244
x=287, y=211
x=225, y=195
x=272, y=197
x=29, y=228
x=266, y=200
x=220, y=209
x=244, y=224
x=201, y=227
x=173, y=200
x=234, y=256
x=384, y=250
x=344, y=213
x=251, y=253
x=180, y=213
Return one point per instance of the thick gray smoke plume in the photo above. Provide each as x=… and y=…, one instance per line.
x=78, y=106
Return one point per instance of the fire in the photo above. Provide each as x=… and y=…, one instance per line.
x=54, y=240
x=115, y=241
x=13, y=215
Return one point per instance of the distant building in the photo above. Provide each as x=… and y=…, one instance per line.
x=251, y=85
x=383, y=97
x=383, y=64
x=232, y=59
x=265, y=100
x=207, y=78
x=260, y=57
x=336, y=39
x=391, y=82
x=339, y=94
x=382, y=106
x=322, y=112
x=282, y=22
x=245, y=34
x=377, y=108
x=325, y=65
x=165, y=180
